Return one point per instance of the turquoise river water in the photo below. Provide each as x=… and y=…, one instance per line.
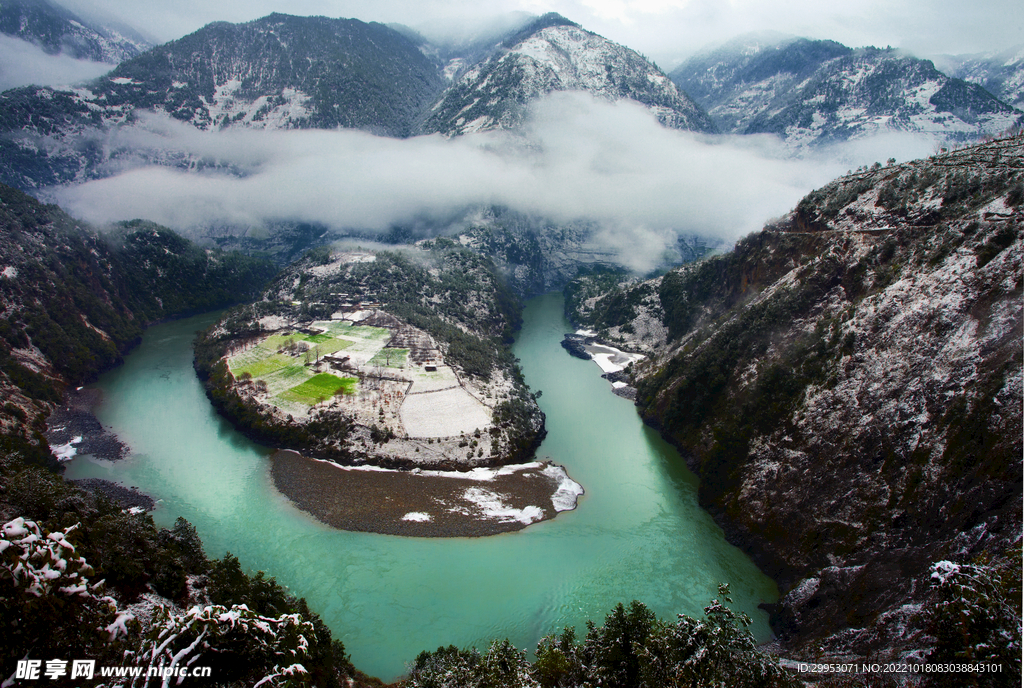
x=637, y=533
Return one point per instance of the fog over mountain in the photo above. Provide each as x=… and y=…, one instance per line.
x=23, y=63
x=123, y=146
x=577, y=159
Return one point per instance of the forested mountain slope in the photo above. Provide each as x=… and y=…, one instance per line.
x=1000, y=73
x=282, y=71
x=278, y=72
x=847, y=383
x=73, y=300
x=57, y=30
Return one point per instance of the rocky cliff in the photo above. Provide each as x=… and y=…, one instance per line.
x=847, y=384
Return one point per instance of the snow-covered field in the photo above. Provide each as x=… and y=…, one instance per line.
x=445, y=413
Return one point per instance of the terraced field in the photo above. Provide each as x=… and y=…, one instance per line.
x=286, y=362
x=291, y=375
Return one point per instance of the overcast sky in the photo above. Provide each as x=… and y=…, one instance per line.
x=665, y=30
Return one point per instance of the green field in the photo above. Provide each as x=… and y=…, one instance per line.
x=292, y=383
x=274, y=341
x=329, y=345
x=378, y=333
x=336, y=327
x=284, y=379
x=318, y=388
x=261, y=367
x=391, y=358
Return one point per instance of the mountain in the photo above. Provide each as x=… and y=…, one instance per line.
x=277, y=72
x=72, y=301
x=549, y=55
x=57, y=30
x=282, y=72
x=535, y=255
x=847, y=385
x=1001, y=74
x=819, y=92
x=744, y=77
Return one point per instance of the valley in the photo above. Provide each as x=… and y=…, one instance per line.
x=639, y=505
x=299, y=319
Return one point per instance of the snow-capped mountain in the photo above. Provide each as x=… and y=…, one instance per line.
x=819, y=92
x=285, y=72
x=282, y=71
x=278, y=72
x=57, y=30
x=554, y=54
x=746, y=76
x=1001, y=74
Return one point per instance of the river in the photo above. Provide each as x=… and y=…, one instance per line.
x=637, y=533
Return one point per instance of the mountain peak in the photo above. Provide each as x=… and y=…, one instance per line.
x=539, y=24
x=553, y=54
x=811, y=92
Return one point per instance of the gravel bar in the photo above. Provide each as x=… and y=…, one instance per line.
x=400, y=502
x=127, y=497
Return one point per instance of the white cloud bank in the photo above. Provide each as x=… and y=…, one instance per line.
x=578, y=160
x=23, y=64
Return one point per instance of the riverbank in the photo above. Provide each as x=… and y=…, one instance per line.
x=127, y=497
x=424, y=503
x=612, y=361
x=72, y=428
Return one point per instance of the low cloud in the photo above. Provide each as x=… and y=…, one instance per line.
x=23, y=64
x=579, y=159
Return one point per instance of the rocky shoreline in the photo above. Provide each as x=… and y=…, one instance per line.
x=127, y=497
x=611, y=360
x=72, y=429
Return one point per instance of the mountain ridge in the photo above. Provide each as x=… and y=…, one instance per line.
x=846, y=384
x=555, y=54
x=285, y=72
x=59, y=31
x=812, y=93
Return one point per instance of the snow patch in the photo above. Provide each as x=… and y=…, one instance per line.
x=491, y=505
x=803, y=592
x=609, y=359
x=942, y=570
x=417, y=517
x=568, y=492
x=66, y=452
